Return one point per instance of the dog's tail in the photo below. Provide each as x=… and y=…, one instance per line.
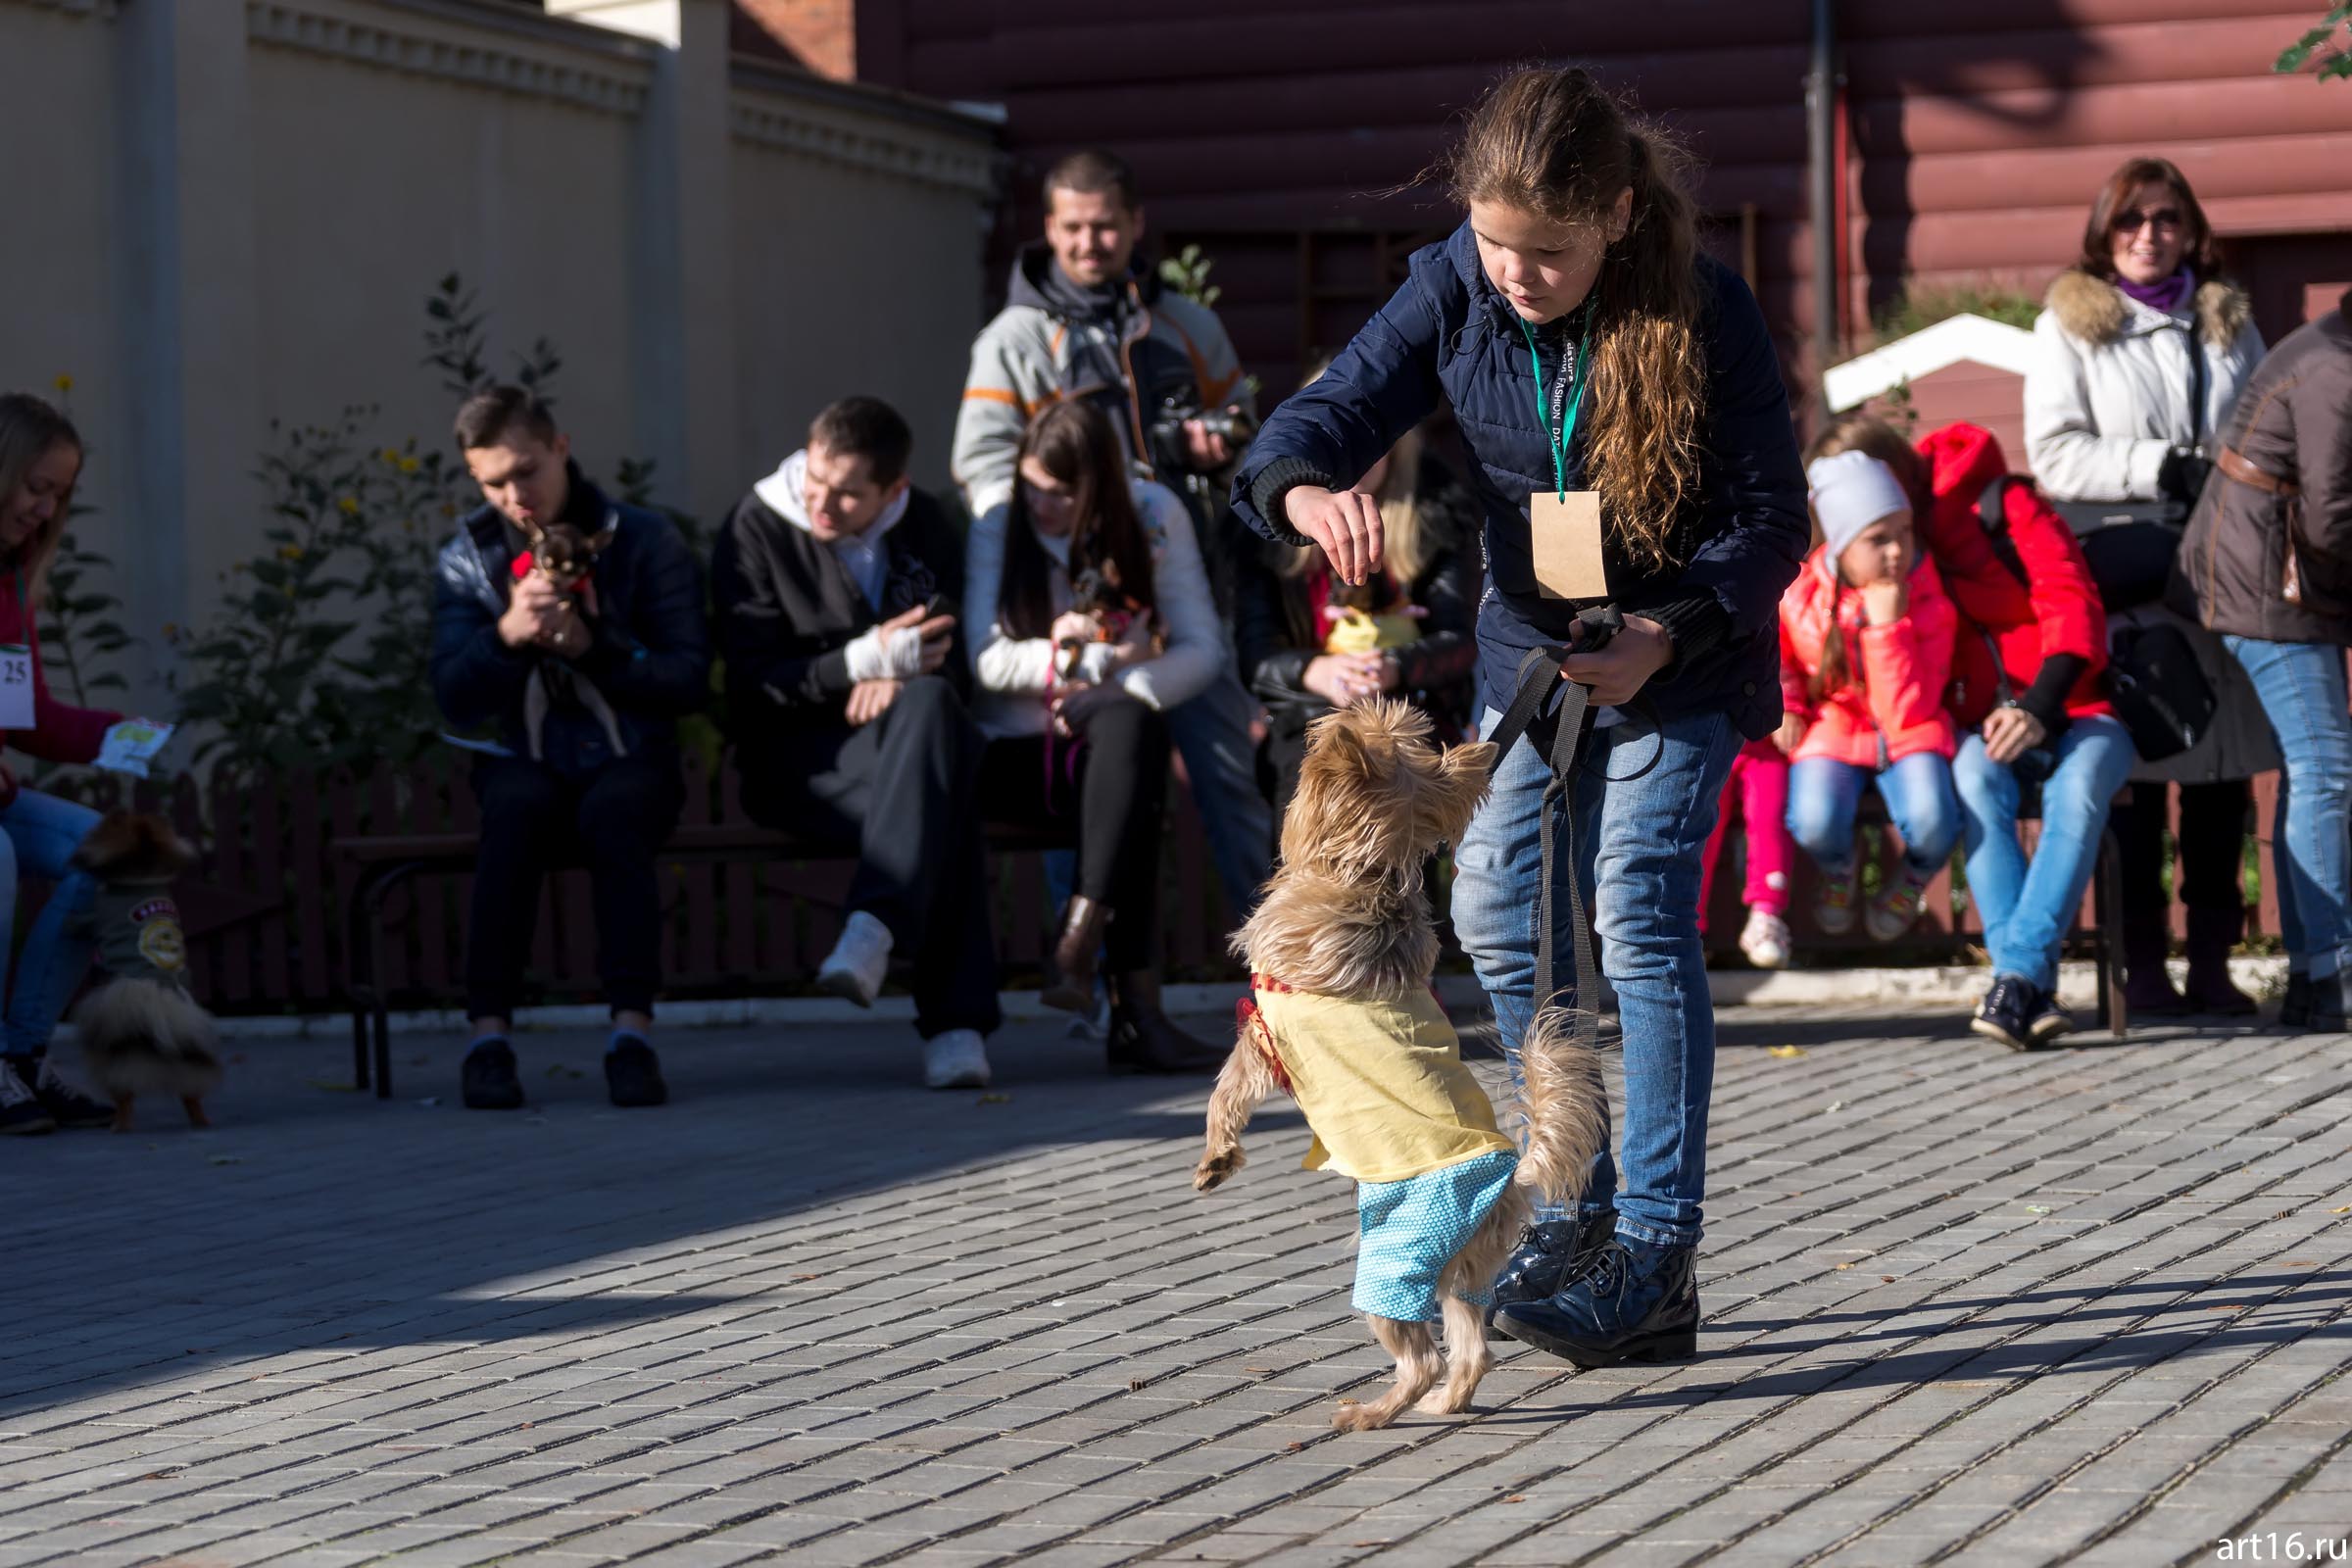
x=1567, y=1106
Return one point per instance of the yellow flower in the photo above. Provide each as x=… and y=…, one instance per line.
x=390, y=454
x=64, y=383
x=289, y=552
x=349, y=506
x=408, y=464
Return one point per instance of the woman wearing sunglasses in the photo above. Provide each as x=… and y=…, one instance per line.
x=2140, y=356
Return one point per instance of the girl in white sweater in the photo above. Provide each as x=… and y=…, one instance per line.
x=1090, y=617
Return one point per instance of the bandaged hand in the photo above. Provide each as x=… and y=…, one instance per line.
x=889, y=649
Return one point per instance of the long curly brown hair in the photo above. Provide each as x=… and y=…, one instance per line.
x=1553, y=144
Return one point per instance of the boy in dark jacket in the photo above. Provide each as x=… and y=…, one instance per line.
x=575, y=626
x=847, y=679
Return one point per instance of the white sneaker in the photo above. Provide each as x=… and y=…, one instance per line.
x=956, y=1059
x=856, y=967
x=1896, y=910
x=21, y=1110
x=1833, y=905
x=1765, y=940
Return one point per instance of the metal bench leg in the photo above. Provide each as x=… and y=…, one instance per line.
x=2106, y=906
x=381, y=1006
x=359, y=969
x=363, y=961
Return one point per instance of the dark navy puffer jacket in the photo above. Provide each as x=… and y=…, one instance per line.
x=1447, y=333
x=651, y=648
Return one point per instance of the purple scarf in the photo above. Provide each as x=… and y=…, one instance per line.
x=2166, y=294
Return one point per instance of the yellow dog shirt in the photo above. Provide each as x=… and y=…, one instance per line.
x=1381, y=1082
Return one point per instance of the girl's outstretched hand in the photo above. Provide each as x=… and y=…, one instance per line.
x=1343, y=523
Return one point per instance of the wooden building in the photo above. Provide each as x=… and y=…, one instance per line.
x=1283, y=136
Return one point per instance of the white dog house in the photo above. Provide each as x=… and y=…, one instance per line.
x=1963, y=368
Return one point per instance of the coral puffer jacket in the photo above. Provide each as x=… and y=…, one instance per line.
x=1890, y=703
x=2055, y=611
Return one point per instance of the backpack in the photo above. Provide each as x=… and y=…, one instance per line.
x=2152, y=677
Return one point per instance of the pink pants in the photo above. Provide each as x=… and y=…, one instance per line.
x=1757, y=792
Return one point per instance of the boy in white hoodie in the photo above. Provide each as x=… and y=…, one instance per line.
x=836, y=585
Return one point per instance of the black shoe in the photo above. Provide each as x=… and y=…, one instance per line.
x=633, y=1074
x=1633, y=1301
x=487, y=1081
x=2331, y=1006
x=1143, y=1039
x=2294, y=1008
x=21, y=1110
x=1549, y=1255
x=66, y=1103
x=2045, y=1021
x=2007, y=1012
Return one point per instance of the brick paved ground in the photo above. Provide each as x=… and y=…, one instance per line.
x=1962, y=1306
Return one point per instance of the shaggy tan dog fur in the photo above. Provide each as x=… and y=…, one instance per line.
x=1345, y=916
x=140, y=1032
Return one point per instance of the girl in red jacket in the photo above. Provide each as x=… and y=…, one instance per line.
x=40, y=458
x=2027, y=693
x=1757, y=800
x=1866, y=650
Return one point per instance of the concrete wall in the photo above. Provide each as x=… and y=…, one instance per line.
x=237, y=210
x=822, y=213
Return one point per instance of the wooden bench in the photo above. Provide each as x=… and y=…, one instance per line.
x=382, y=863
x=2094, y=932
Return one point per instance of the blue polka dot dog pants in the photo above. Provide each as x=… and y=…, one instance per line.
x=1412, y=1229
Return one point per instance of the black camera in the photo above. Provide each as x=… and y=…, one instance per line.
x=1168, y=449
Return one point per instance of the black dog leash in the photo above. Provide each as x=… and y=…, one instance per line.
x=1539, y=672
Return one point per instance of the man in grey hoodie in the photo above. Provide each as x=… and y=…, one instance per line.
x=834, y=583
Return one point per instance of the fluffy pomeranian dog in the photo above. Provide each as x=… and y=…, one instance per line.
x=1342, y=1017
x=140, y=1031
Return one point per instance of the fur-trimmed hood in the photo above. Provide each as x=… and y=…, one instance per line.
x=2097, y=311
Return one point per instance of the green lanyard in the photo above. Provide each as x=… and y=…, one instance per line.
x=1561, y=436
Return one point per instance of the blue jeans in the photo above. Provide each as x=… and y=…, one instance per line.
x=1823, y=793
x=1643, y=806
x=38, y=835
x=2301, y=686
x=1211, y=732
x=2027, y=905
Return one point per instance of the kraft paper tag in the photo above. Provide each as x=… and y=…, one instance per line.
x=1567, y=544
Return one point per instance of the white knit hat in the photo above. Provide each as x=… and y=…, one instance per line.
x=1851, y=491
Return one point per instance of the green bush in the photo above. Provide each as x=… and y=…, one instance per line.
x=1922, y=307
x=318, y=654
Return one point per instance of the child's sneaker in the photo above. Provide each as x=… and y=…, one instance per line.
x=1765, y=940
x=1833, y=905
x=1895, y=908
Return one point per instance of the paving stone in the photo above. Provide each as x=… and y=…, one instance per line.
x=810, y=1313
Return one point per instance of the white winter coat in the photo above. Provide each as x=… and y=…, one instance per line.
x=1012, y=675
x=2108, y=392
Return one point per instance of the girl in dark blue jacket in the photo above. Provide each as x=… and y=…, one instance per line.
x=1621, y=387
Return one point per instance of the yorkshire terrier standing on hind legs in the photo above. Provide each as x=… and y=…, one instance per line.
x=1340, y=951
